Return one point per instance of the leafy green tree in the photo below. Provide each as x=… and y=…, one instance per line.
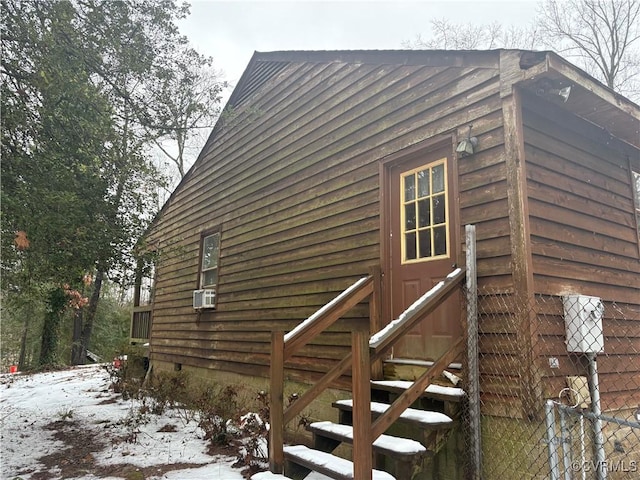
x=53, y=140
x=82, y=102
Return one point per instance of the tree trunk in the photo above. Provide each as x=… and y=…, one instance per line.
x=56, y=303
x=23, y=344
x=86, y=323
x=77, y=356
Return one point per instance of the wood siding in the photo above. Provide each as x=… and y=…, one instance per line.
x=291, y=179
x=484, y=203
x=584, y=240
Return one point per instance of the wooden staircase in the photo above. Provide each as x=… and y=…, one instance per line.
x=395, y=456
x=363, y=422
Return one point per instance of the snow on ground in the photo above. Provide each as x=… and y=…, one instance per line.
x=30, y=404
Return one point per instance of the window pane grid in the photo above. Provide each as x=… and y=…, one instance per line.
x=424, y=213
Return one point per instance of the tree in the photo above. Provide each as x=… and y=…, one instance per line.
x=602, y=36
x=132, y=35
x=81, y=104
x=188, y=94
x=448, y=35
x=54, y=133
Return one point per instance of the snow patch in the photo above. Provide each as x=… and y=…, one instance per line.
x=30, y=402
x=418, y=416
x=388, y=442
x=435, y=389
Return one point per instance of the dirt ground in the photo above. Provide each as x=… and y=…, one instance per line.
x=76, y=459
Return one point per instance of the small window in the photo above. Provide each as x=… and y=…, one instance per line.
x=209, y=265
x=636, y=196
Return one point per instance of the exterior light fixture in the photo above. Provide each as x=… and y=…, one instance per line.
x=563, y=93
x=467, y=146
x=548, y=90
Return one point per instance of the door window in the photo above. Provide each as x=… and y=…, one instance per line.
x=424, y=213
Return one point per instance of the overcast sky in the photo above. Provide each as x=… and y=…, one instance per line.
x=230, y=31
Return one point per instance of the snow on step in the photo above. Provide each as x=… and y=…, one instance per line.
x=422, y=417
x=325, y=462
x=403, y=446
x=268, y=476
x=277, y=476
x=433, y=389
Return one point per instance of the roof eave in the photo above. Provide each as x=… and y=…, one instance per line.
x=590, y=99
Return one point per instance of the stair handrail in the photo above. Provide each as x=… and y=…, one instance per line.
x=284, y=347
x=382, y=341
x=326, y=316
x=360, y=359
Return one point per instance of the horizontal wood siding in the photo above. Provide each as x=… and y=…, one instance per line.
x=291, y=179
x=584, y=241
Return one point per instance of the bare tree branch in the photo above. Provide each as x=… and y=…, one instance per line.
x=602, y=36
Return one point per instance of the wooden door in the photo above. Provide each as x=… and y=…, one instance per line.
x=422, y=246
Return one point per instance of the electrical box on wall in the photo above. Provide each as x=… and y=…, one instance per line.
x=583, y=322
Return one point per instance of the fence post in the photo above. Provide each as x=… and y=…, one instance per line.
x=552, y=441
x=361, y=390
x=598, y=440
x=276, y=402
x=473, y=389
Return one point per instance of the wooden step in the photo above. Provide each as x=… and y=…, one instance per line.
x=422, y=418
x=326, y=463
x=410, y=369
x=420, y=363
x=384, y=444
x=437, y=392
x=402, y=453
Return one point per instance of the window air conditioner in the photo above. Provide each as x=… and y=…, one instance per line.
x=204, y=299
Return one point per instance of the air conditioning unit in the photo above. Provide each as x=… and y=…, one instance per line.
x=204, y=299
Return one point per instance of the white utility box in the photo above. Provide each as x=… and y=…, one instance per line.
x=583, y=322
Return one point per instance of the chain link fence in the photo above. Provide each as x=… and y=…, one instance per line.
x=559, y=388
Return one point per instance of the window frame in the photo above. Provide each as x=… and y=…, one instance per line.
x=201, y=258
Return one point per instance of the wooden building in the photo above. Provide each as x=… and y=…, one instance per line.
x=325, y=165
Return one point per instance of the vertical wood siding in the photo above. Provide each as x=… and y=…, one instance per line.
x=291, y=179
